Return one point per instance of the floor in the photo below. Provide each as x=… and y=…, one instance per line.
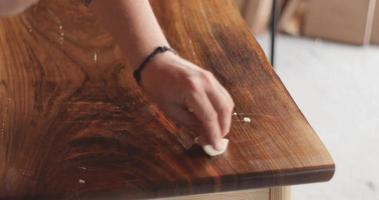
x=337, y=88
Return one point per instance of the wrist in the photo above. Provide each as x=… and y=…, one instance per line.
x=163, y=59
x=141, y=52
x=150, y=61
x=159, y=65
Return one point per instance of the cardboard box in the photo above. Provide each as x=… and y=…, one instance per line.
x=375, y=26
x=347, y=21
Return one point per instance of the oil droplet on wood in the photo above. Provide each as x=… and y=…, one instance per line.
x=4, y=121
x=247, y=119
x=61, y=33
x=95, y=57
x=61, y=39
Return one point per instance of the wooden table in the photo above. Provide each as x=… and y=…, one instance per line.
x=73, y=124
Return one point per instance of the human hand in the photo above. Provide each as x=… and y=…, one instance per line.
x=189, y=95
x=13, y=7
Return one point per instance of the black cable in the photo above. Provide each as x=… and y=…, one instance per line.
x=274, y=18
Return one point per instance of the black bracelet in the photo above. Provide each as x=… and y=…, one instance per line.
x=138, y=71
x=87, y=2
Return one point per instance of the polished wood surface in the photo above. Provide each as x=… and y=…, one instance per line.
x=73, y=124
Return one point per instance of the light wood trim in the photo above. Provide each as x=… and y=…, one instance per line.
x=280, y=193
x=255, y=194
x=273, y=193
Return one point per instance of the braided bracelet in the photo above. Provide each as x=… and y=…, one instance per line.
x=137, y=72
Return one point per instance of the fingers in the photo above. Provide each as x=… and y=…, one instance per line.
x=223, y=104
x=203, y=109
x=182, y=116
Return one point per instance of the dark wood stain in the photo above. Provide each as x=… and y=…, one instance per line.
x=75, y=127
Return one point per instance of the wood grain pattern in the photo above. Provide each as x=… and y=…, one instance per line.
x=73, y=124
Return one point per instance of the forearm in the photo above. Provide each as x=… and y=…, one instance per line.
x=13, y=7
x=187, y=93
x=133, y=26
